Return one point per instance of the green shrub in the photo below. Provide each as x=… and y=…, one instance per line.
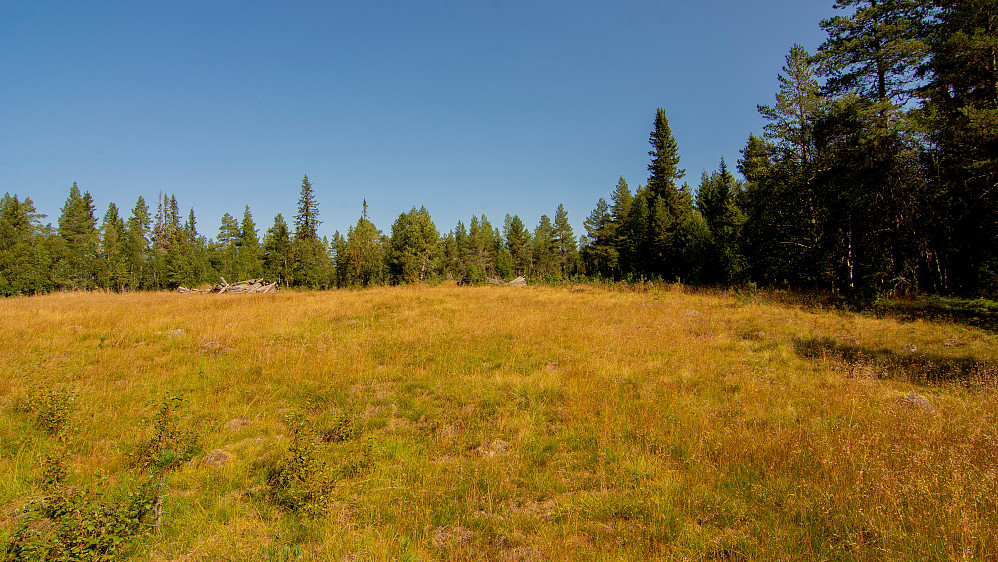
x=53, y=408
x=74, y=523
x=170, y=444
x=301, y=482
x=341, y=428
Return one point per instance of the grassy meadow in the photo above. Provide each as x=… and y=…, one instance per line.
x=494, y=423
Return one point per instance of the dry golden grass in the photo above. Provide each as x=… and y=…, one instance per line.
x=524, y=424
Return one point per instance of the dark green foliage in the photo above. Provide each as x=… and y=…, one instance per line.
x=518, y=244
x=307, y=219
x=302, y=482
x=720, y=252
x=360, y=257
x=136, y=249
x=228, y=248
x=278, y=259
x=78, y=229
x=25, y=251
x=565, y=246
x=250, y=252
x=875, y=50
x=544, y=261
x=412, y=249
x=82, y=524
x=599, y=255
x=961, y=111
x=876, y=175
x=664, y=168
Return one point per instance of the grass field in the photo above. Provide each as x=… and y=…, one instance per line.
x=491, y=423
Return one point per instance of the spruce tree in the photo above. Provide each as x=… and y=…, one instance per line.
x=667, y=208
x=716, y=203
x=277, y=256
x=137, y=250
x=544, y=253
x=365, y=263
x=620, y=209
x=664, y=168
x=78, y=229
x=518, y=244
x=250, y=253
x=307, y=219
x=113, y=269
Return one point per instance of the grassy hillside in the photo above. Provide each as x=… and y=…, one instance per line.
x=491, y=423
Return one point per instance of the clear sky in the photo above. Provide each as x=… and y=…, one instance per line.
x=465, y=107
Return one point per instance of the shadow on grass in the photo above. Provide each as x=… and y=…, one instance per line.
x=914, y=367
x=978, y=313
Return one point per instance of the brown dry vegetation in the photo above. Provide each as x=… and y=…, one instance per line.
x=520, y=424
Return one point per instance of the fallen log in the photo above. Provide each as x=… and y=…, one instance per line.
x=518, y=282
x=249, y=286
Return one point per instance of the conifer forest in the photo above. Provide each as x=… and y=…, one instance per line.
x=876, y=174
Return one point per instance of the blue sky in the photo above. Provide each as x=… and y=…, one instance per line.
x=465, y=107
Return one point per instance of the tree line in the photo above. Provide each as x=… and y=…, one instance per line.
x=162, y=250
x=877, y=172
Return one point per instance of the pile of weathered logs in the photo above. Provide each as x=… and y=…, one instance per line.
x=248, y=286
x=518, y=282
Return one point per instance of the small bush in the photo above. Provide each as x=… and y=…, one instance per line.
x=170, y=445
x=301, y=482
x=71, y=523
x=341, y=428
x=53, y=408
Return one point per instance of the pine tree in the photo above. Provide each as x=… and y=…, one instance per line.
x=544, y=256
x=875, y=50
x=518, y=244
x=277, y=255
x=228, y=248
x=565, y=244
x=599, y=254
x=785, y=210
x=412, y=249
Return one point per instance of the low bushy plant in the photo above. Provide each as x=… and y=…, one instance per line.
x=301, y=482
x=170, y=445
x=53, y=408
x=76, y=523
